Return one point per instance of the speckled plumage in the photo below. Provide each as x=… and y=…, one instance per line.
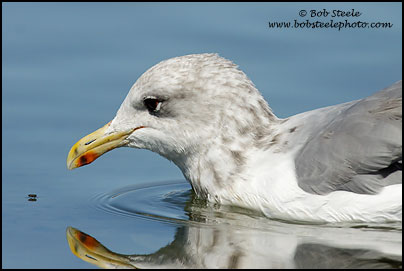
x=218, y=129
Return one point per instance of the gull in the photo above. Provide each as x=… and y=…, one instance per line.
x=341, y=163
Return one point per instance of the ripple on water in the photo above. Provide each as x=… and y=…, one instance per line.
x=171, y=201
x=175, y=202
x=163, y=201
x=212, y=230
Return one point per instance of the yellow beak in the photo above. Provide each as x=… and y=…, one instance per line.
x=90, y=250
x=92, y=146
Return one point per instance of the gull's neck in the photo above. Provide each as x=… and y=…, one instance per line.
x=221, y=164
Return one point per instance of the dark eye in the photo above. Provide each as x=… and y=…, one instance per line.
x=152, y=104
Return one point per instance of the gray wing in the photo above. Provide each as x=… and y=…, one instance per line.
x=358, y=150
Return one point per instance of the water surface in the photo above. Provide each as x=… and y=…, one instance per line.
x=212, y=236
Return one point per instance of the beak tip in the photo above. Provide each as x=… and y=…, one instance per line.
x=69, y=163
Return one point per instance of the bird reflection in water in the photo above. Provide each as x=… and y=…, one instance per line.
x=217, y=251
x=224, y=237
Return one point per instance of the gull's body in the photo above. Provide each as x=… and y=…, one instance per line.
x=334, y=164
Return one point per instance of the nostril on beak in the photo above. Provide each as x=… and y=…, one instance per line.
x=89, y=142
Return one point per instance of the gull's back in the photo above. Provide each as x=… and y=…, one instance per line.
x=359, y=149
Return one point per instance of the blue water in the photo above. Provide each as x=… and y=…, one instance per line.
x=68, y=66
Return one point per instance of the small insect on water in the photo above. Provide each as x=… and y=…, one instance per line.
x=32, y=197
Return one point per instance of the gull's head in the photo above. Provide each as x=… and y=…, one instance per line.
x=179, y=107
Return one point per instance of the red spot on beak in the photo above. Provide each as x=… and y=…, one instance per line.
x=87, y=240
x=87, y=158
